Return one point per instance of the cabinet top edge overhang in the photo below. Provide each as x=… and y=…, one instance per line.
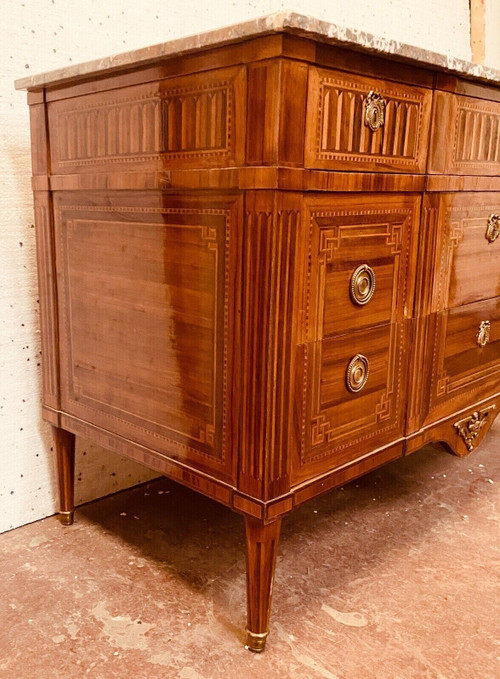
x=287, y=22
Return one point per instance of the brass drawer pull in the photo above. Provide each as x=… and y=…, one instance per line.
x=483, y=335
x=492, y=228
x=357, y=373
x=362, y=284
x=374, y=110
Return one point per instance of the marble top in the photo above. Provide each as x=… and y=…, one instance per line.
x=287, y=22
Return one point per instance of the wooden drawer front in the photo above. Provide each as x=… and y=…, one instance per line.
x=349, y=233
x=467, y=254
x=337, y=424
x=189, y=121
x=144, y=318
x=337, y=133
x=465, y=135
x=463, y=372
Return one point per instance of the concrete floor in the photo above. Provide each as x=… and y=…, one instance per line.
x=395, y=576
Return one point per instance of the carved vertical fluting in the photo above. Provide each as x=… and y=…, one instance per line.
x=418, y=393
x=266, y=333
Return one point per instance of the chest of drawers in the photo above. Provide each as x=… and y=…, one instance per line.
x=268, y=263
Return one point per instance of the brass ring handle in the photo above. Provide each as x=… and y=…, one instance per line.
x=357, y=373
x=492, y=228
x=483, y=335
x=374, y=110
x=362, y=284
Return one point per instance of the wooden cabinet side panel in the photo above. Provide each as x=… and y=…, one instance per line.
x=147, y=319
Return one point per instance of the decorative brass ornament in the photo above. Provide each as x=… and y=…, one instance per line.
x=362, y=284
x=469, y=427
x=374, y=110
x=483, y=335
x=492, y=228
x=357, y=373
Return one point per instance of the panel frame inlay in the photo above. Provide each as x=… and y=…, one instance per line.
x=182, y=446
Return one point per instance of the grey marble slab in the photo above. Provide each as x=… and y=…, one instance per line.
x=287, y=22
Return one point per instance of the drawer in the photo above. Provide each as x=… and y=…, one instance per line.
x=467, y=264
x=465, y=136
x=360, y=123
x=466, y=357
x=353, y=389
x=359, y=261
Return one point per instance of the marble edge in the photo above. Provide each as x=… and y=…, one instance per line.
x=290, y=22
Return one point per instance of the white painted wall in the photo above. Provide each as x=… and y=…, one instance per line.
x=492, y=32
x=39, y=35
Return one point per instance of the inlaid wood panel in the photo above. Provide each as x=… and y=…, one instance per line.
x=267, y=336
x=334, y=424
x=461, y=371
x=337, y=134
x=465, y=135
x=189, y=121
x=346, y=232
x=146, y=319
x=462, y=262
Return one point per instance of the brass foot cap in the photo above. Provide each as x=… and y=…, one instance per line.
x=66, y=518
x=256, y=642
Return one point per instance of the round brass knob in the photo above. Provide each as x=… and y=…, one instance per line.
x=362, y=284
x=374, y=110
x=357, y=373
x=483, y=335
x=492, y=228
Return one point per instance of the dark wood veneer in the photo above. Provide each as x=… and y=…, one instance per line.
x=200, y=222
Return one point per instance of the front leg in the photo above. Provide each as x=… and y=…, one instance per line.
x=64, y=442
x=262, y=547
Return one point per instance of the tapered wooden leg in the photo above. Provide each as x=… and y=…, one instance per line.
x=262, y=547
x=65, y=453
